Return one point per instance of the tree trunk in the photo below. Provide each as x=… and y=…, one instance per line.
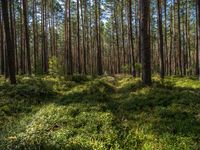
x=9, y=42
x=198, y=30
x=171, y=41
x=78, y=39
x=131, y=38
x=197, y=37
x=27, y=36
x=122, y=26
x=166, y=42
x=70, y=59
x=98, y=40
x=34, y=37
x=2, y=45
x=179, y=38
x=117, y=38
x=162, y=68
x=145, y=41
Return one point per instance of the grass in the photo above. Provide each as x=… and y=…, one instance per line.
x=85, y=113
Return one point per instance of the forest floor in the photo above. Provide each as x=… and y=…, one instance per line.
x=85, y=113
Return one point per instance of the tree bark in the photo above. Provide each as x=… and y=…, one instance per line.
x=162, y=68
x=179, y=38
x=198, y=31
x=145, y=41
x=9, y=42
x=69, y=51
x=131, y=38
x=78, y=39
x=27, y=36
x=2, y=45
x=98, y=40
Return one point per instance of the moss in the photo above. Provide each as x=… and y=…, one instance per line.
x=99, y=113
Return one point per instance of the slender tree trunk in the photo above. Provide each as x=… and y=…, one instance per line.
x=98, y=40
x=187, y=40
x=34, y=38
x=27, y=36
x=198, y=30
x=162, y=68
x=70, y=59
x=15, y=36
x=131, y=38
x=139, y=35
x=2, y=45
x=66, y=31
x=42, y=36
x=122, y=26
x=176, y=41
x=117, y=38
x=83, y=17
x=197, y=37
x=179, y=37
x=46, y=52
x=171, y=41
x=22, y=61
x=9, y=42
x=78, y=39
x=166, y=42
x=145, y=41
x=86, y=22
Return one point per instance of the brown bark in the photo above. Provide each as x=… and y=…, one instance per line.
x=78, y=39
x=27, y=36
x=98, y=36
x=9, y=42
x=145, y=41
x=133, y=71
x=162, y=68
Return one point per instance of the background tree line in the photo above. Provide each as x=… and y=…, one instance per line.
x=138, y=37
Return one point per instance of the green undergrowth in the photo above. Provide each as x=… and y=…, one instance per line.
x=101, y=113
